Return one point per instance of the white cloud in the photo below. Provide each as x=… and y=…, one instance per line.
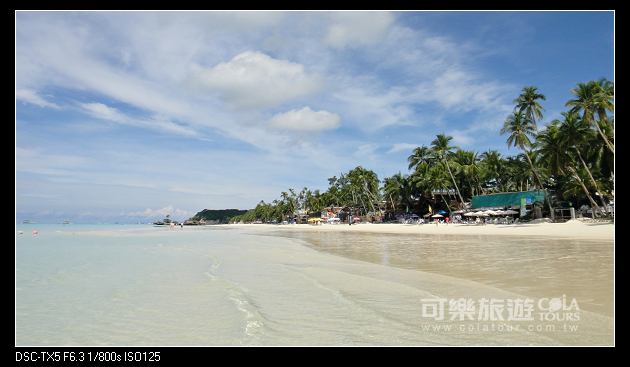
x=255, y=80
x=352, y=28
x=158, y=123
x=366, y=151
x=169, y=210
x=462, y=138
x=50, y=164
x=305, y=120
x=456, y=89
x=402, y=146
x=101, y=111
x=373, y=108
x=30, y=96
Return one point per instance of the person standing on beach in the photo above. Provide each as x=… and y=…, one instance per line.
x=446, y=219
x=182, y=225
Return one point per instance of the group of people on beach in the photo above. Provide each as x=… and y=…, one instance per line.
x=181, y=225
x=479, y=221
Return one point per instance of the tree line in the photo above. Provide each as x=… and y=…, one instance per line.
x=572, y=156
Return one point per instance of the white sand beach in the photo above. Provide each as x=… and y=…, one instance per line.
x=539, y=258
x=570, y=229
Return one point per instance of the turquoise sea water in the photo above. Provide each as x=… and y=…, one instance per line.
x=137, y=285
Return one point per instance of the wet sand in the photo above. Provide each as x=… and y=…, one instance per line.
x=539, y=260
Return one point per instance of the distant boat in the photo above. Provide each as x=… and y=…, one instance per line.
x=26, y=221
x=66, y=222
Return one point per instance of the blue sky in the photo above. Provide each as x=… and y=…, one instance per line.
x=130, y=116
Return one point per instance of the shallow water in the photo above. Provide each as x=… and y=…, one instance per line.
x=144, y=286
x=534, y=266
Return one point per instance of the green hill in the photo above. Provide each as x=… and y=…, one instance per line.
x=217, y=216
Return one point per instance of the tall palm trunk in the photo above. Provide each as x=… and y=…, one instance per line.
x=592, y=180
x=453, y=178
x=601, y=133
x=540, y=183
x=593, y=203
x=447, y=205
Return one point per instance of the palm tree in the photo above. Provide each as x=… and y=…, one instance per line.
x=307, y=199
x=398, y=189
x=365, y=184
x=441, y=148
x=573, y=133
x=589, y=102
x=604, y=98
x=332, y=195
x=494, y=167
x=517, y=173
x=553, y=151
x=438, y=180
x=469, y=165
x=527, y=102
x=576, y=186
x=288, y=202
x=599, y=154
x=420, y=155
x=520, y=128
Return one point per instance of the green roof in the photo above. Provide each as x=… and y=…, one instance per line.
x=508, y=198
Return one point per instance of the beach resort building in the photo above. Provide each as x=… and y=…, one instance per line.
x=513, y=199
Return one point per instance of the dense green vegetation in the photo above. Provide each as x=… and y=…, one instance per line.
x=222, y=215
x=572, y=156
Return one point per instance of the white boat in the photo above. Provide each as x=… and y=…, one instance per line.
x=26, y=221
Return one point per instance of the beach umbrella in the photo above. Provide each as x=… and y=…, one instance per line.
x=413, y=215
x=355, y=218
x=398, y=216
x=437, y=216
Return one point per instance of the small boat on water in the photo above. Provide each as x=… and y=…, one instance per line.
x=66, y=222
x=26, y=221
